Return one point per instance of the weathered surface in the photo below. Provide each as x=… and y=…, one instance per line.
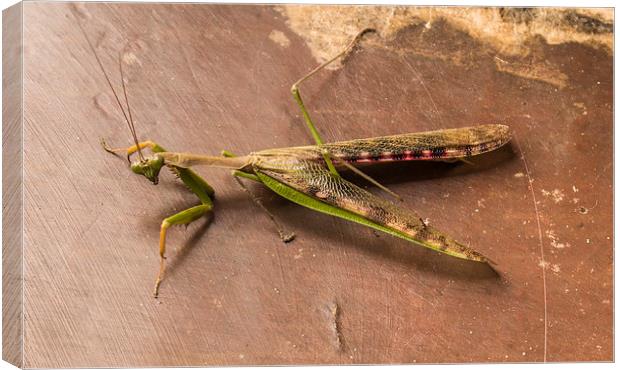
x=205, y=78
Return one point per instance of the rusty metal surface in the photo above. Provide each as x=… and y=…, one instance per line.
x=205, y=78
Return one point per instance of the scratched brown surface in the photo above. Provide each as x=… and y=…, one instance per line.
x=12, y=189
x=205, y=78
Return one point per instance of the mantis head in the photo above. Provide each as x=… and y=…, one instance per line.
x=149, y=167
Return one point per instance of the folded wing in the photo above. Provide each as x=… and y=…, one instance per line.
x=430, y=145
x=309, y=184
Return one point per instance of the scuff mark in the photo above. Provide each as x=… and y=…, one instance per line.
x=555, y=243
x=556, y=194
x=335, y=326
x=102, y=103
x=80, y=11
x=539, y=71
x=279, y=38
x=131, y=58
x=547, y=265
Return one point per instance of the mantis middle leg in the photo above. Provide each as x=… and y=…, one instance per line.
x=238, y=175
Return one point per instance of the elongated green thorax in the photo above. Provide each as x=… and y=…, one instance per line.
x=185, y=160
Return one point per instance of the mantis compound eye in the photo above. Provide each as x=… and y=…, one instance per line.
x=149, y=168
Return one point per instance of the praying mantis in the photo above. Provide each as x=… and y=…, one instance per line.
x=309, y=175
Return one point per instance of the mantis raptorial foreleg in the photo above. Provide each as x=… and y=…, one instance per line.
x=191, y=179
x=132, y=149
x=184, y=217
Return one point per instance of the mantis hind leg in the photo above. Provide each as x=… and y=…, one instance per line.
x=306, y=115
x=310, y=124
x=182, y=218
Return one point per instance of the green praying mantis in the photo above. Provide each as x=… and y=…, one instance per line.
x=309, y=175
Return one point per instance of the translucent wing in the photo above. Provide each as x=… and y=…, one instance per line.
x=309, y=184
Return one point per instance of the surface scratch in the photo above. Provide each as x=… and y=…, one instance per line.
x=334, y=311
x=428, y=93
x=543, y=264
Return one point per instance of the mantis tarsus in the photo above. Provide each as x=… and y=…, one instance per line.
x=308, y=175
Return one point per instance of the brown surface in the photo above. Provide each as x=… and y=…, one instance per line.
x=12, y=191
x=205, y=78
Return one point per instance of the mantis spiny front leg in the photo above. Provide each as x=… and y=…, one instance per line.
x=191, y=179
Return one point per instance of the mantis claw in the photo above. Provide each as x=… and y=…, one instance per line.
x=156, y=289
x=114, y=151
x=105, y=146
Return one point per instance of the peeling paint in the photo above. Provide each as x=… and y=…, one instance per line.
x=506, y=31
x=279, y=38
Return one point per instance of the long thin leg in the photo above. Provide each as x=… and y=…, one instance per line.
x=370, y=179
x=285, y=236
x=297, y=96
x=182, y=218
x=313, y=130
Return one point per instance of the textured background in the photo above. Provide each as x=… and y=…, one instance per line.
x=204, y=78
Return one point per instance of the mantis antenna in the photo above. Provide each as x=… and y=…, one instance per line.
x=129, y=119
x=132, y=127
